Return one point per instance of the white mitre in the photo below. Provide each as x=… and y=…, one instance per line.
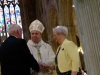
x=36, y=25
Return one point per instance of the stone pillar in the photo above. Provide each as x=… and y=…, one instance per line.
x=46, y=12
x=28, y=14
x=52, y=22
x=88, y=17
x=41, y=14
x=65, y=17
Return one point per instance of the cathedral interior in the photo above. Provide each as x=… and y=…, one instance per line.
x=81, y=17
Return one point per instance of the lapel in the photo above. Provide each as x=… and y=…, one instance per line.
x=62, y=46
x=58, y=49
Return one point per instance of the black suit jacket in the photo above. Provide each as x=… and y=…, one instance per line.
x=15, y=57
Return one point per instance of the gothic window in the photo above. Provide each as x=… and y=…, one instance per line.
x=9, y=14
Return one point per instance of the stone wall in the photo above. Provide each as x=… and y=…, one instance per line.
x=88, y=17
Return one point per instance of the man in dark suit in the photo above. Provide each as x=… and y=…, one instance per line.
x=15, y=57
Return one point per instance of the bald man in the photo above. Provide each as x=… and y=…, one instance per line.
x=15, y=57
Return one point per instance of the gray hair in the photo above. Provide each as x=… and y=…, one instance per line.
x=61, y=30
x=13, y=28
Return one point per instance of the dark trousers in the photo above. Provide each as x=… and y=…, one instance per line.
x=65, y=73
x=68, y=73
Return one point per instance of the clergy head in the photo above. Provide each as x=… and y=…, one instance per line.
x=36, y=29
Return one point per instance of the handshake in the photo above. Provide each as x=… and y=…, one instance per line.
x=45, y=67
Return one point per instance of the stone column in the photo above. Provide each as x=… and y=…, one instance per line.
x=88, y=17
x=46, y=12
x=41, y=14
x=28, y=14
x=52, y=22
x=65, y=17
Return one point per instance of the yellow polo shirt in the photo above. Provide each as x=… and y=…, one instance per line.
x=68, y=57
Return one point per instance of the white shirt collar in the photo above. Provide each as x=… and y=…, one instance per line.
x=35, y=44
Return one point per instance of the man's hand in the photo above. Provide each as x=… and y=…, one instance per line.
x=41, y=64
x=45, y=67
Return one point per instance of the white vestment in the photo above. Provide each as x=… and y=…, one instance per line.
x=47, y=54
